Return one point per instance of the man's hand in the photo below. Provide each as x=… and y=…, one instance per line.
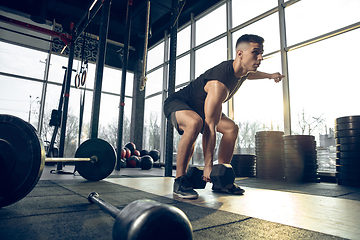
x=277, y=77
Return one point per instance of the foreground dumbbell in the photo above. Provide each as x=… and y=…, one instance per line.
x=222, y=176
x=146, y=219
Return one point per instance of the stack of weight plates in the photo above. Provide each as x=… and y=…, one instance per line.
x=347, y=135
x=300, y=158
x=244, y=165
x=269, y=155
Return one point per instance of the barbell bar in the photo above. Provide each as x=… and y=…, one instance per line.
x=22, y=159
x=146, y=220
x=92, y=159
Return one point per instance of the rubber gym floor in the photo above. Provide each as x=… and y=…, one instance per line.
x=57, y=208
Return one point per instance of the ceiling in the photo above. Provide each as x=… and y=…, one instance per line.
x=66, y=11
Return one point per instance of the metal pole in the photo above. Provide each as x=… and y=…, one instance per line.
x=284, y=64
x=171, y=86
x=229, y=50
x=123, y=81
x=66, y=97
x=164, y=96
x=100, y=63
x=46, y=78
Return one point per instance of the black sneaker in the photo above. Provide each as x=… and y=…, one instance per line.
x=235, y=190
x=183, y=189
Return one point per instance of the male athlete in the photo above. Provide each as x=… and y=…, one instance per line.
x=197, y=108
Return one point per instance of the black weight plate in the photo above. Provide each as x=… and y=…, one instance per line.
x=278, y=170
x=300, y=150
x=269, y=146
x=347, y=119
x=301, y=142
x=347, y=161
x=269, y=155
x=348, y=140
x=243, y=156
x=300, y=165
x=347, y=126
x=236, y=169
x=307, y=159
x=348, y=176
x=355, y=155
x=297, y=171
x=22, y=159
x=270, y=133
x=347, y=133
x=348, y=147
x=299, y=137
x=106, y=159
x=242, y=165
x=349, y=169
x=269, y=140
x=272, y=150
x=296, y=154
x=348, y=183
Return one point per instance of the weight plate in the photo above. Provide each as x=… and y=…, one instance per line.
x=355, y=155
x=105, y=154
x=242, y=165
x=297, y=171
x=243, y=156
x=347, y=126
x=349, y=169
x=22, y=159
x=347, y=133
x=301, y=141
x=348, y=161
x=348, y=147
x=269, y=155
x=299, y=137
x=270, y=133
x=348, y=183
x=300, y=153
x=348, y=140
x=347, y=119
x=300, y=165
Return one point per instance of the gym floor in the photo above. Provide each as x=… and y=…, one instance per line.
x=57, y=208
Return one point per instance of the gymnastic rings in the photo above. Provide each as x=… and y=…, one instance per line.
x=80, y=78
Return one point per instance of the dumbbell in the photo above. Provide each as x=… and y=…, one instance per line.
x=222, y=176
x=146, y=219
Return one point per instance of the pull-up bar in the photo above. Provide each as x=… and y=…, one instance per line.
x=64, y=37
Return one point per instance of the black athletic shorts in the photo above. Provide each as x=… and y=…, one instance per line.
x=173, y=105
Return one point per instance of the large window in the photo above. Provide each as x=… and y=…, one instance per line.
x=267, y=28
x=211, y=25
x=308, y=18
x=322, y=82
x=243, y=11
x=210, y=56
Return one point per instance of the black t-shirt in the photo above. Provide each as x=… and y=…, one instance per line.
x=194, y=94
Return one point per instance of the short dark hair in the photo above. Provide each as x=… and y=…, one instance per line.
x=249, y=38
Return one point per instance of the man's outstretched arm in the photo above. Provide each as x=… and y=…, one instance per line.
x=262, y=75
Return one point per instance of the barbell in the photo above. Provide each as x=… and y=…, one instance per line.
x=22, y=159
x=146, y=220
